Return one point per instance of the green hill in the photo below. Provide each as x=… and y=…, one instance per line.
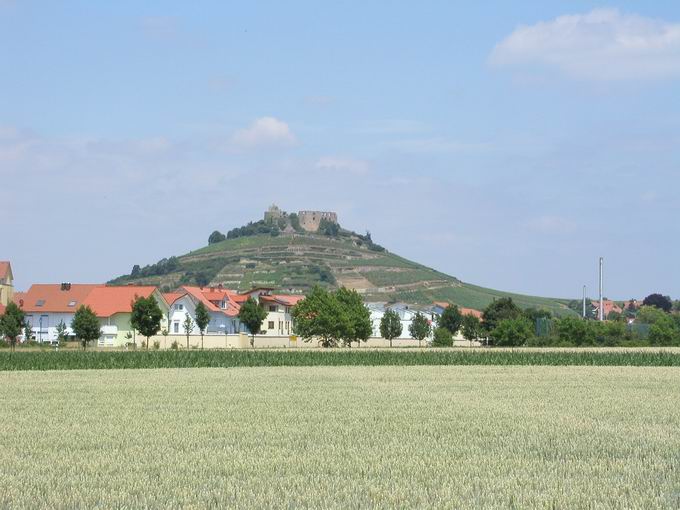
x=296, y=261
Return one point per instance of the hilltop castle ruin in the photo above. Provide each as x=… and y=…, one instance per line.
x=309, y=220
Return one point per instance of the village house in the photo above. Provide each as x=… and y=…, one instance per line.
x=48, y=305
x=279, y=319
x=6, y=285
x=406, y=314
x=113, y=307
x=220, y=303
x=609, y=307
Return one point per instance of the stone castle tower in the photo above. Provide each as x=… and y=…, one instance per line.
x=310, y=220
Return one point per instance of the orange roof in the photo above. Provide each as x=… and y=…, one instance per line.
x=209, y=296
x=471, y=311
x=51, y=298
x=5, y=268
x=609, y=306
x=2, y=309
x=106, y=301
x=171, y=297
x=464, y=311
x=284, y=299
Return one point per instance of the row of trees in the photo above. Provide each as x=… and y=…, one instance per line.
x=506, y=324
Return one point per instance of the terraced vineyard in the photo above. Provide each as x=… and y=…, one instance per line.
x=296, y=262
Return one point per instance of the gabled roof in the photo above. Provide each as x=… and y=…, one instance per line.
x=51, y=298
x=282, y=299
x=171, y=297
x=609, y=306
x=5, y=269
x=211, y=295
x=106, y=301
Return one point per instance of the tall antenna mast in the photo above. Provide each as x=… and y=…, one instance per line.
x=584, y=301
x=601, y=297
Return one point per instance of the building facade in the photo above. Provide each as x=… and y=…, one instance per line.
x=279, y=321
x=6, y=284
x=310, y=220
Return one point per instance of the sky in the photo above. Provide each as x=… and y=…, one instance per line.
x=508, y=144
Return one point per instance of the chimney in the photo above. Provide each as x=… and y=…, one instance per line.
x=65, y=286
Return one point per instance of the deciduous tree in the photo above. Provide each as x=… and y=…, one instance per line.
x=251, y=316
x=216, y=237
x=442, y=338
x=202, y=319
x=321, y=316
x=188, y=327
x=390, y=325
x=85, y=325
x=498, y=310
x=420, y=328
x=146, y=317
x=472, y=327
x=660, y=301
x=513, y=332
x=61, y=331
x=11, y=323
x=358, y=327
x=451, y=319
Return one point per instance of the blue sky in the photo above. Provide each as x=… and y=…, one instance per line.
x=508, y=145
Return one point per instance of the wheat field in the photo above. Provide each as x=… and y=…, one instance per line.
x=342, y=437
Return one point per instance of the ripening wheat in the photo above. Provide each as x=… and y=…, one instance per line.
x=341, y=437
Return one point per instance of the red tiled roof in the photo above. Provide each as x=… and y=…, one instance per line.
x=52, y=298
x=471, y=311
x=464, y=311
x=106, y=301
x=283, y=299
x=211, y=295
x=609, y=306
x=171, y=297
x=5, y=268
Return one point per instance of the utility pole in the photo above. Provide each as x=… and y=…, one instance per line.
x=584, y=301
x=601, y=296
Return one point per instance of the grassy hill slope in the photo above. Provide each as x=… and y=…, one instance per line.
x=296, y=262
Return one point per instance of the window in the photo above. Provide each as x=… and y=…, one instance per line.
x=179, y=307
x=272, y=308
x=71, y=304
x=271, y=325
x=175, y=327
x=40, y=302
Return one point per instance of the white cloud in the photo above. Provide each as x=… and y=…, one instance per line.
x=342, y=165
x=603, y=44
x=266, y=131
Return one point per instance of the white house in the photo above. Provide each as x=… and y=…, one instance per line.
x=406, y=315
x=219, y=302
x=279, y=319
x=48, y=305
